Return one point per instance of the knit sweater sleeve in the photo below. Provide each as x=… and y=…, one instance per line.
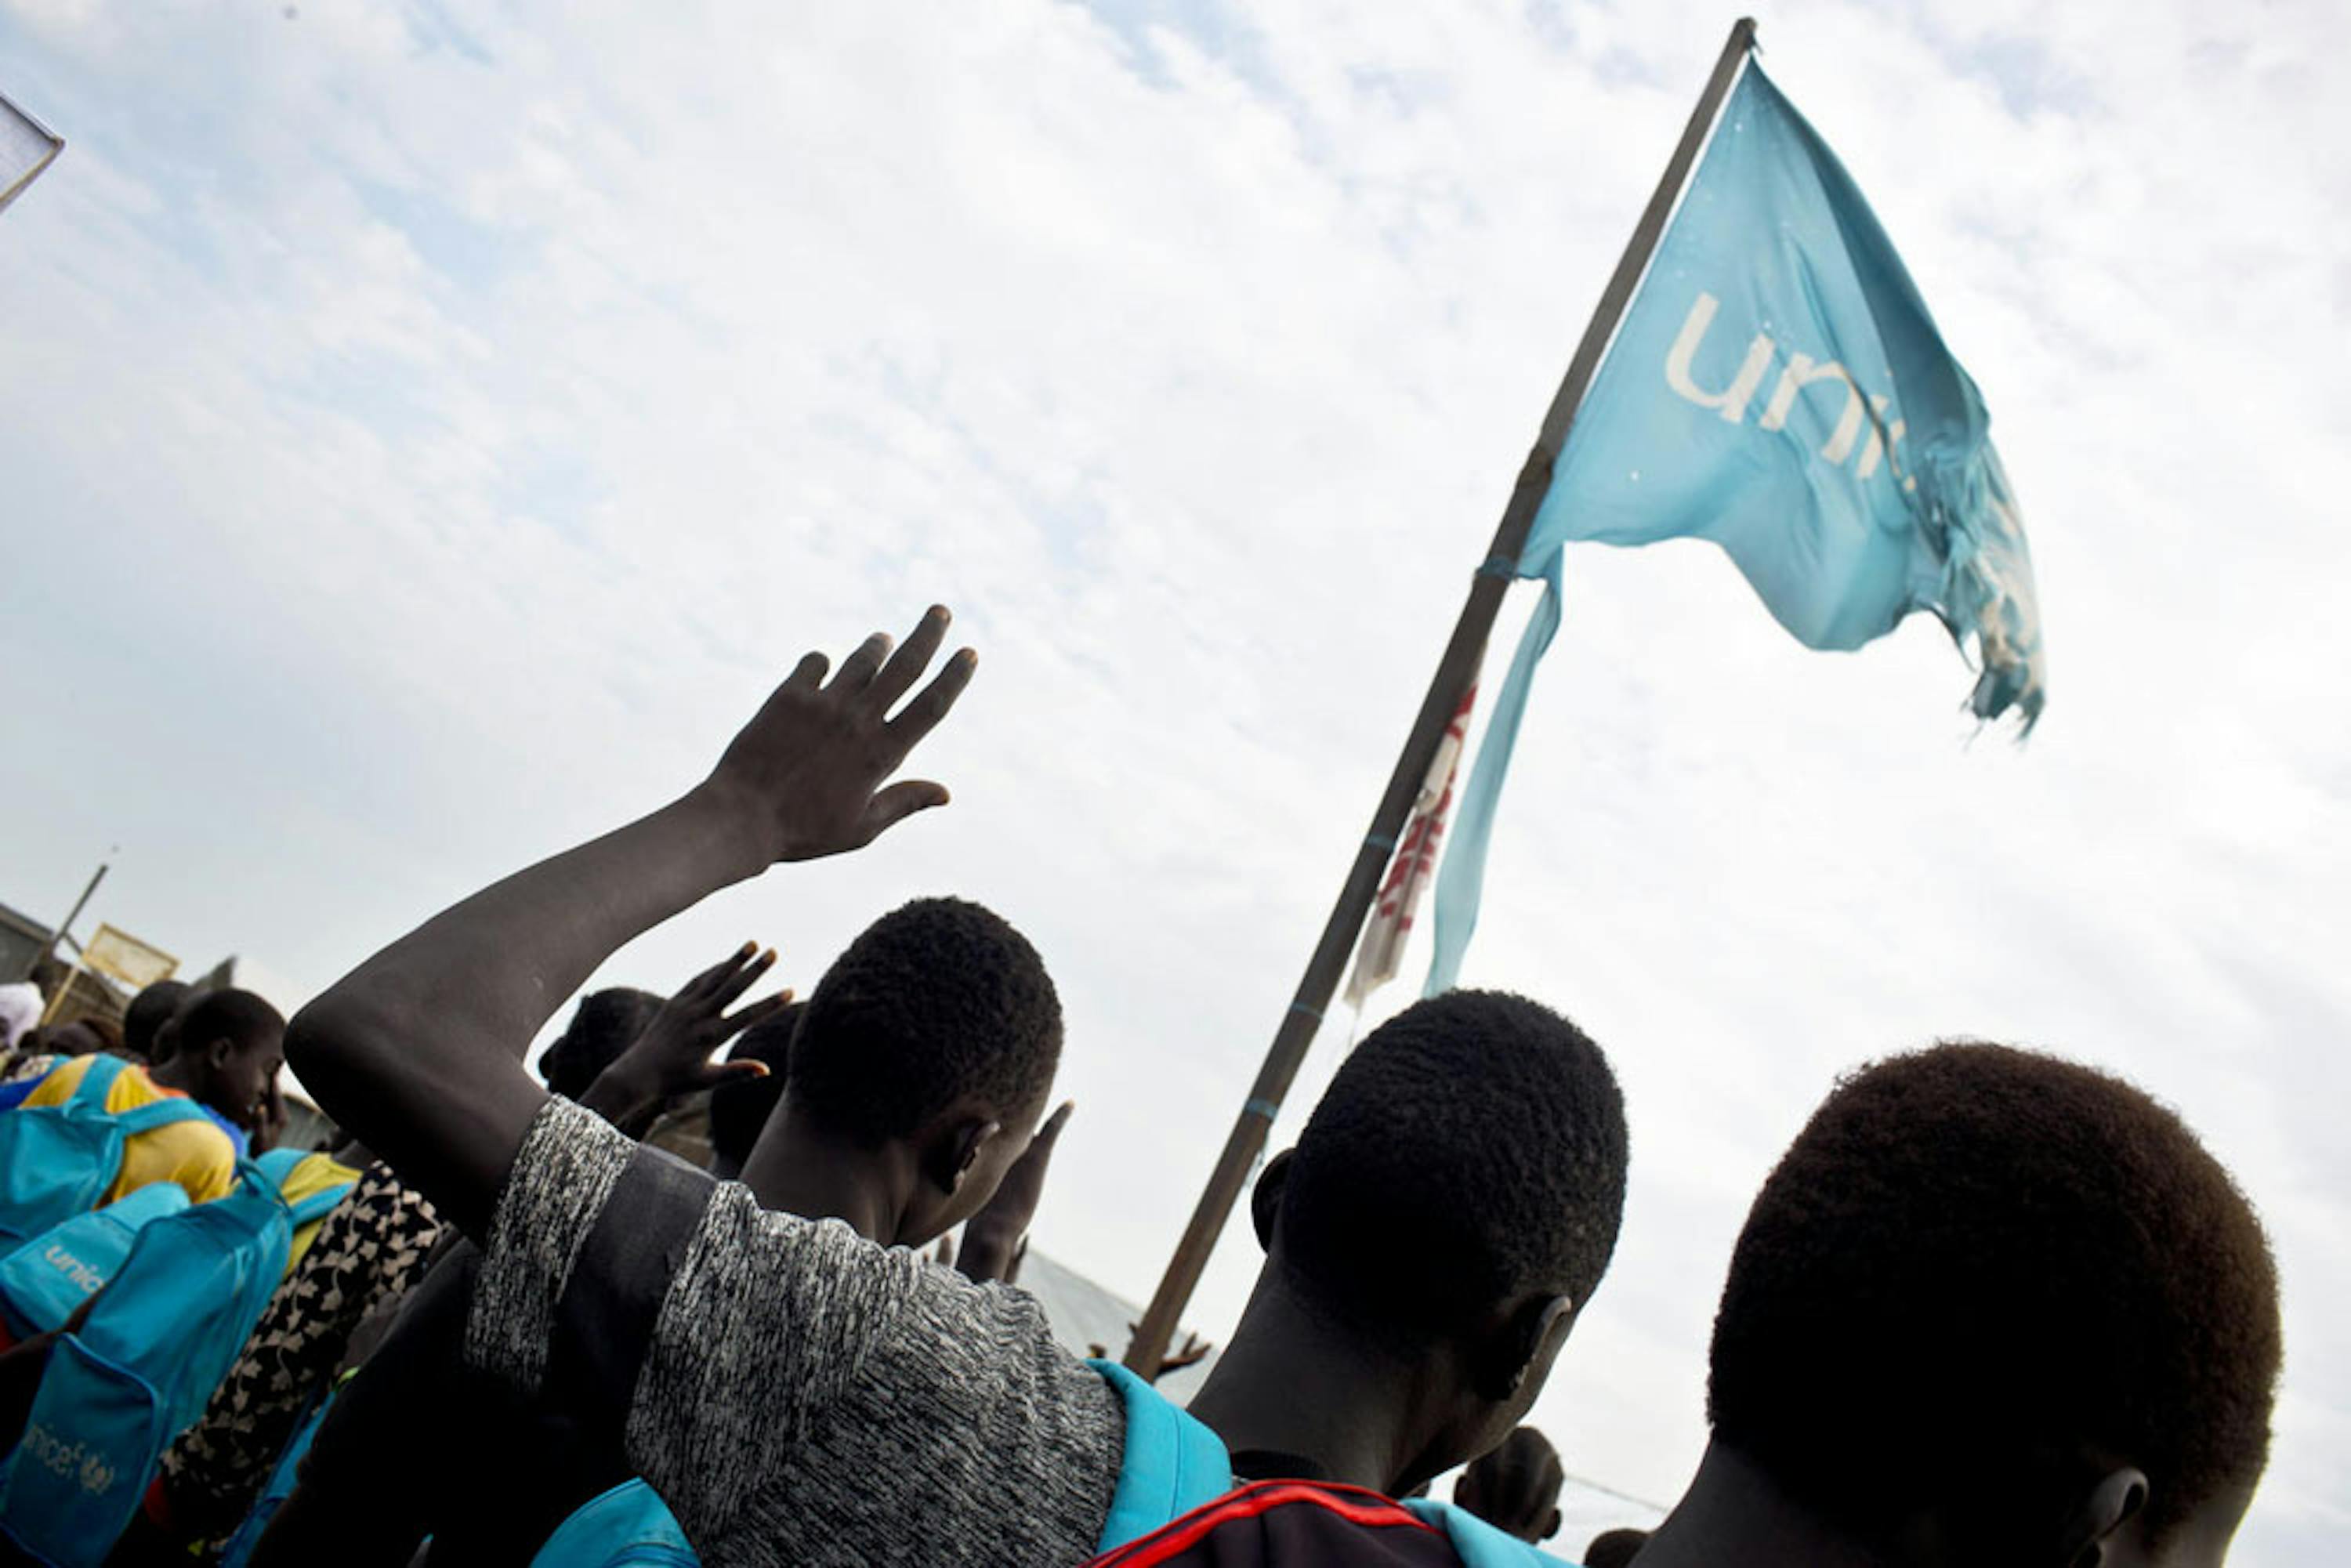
x=796, y=1394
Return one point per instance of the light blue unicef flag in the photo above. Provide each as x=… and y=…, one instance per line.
x=1777, y=386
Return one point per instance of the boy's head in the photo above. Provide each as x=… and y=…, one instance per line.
x=229, y=1047
x=86, y=1036
x=1614, y=1548
x=2010, y=1295
x=1515, y=1489
x=150, y=1011
x=1454, y=1200
x=602, y=1027
x=937, y=1030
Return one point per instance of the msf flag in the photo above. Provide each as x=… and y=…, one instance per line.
x=1777, y=386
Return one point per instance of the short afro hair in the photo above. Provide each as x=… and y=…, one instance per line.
x=239, y=1017
x=1471, y=1152
x=937, y=1000
x=1972, y=1252
x=739, y=1106
x=101, y=1028
x=149, y=1011
x=602, y=1025
x=1614, y=1548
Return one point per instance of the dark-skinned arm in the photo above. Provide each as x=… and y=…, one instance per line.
x=418, y=1051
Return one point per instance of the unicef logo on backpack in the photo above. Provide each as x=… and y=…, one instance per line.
x=83, y=1275
x=69, y=1461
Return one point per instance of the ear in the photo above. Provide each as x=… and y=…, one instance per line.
x=217, y=1053
x=1523, y=1345
x=1265, y=1199
x=1551, y=1526
x=948, y=1157
x=2091, y=1529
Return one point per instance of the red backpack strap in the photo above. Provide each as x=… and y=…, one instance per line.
x=1290, y=1524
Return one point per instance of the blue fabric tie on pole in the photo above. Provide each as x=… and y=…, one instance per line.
x=1777, y=386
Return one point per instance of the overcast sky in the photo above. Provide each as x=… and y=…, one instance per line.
x=424, y=439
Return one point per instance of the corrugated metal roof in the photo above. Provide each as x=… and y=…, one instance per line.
x=1091, y=1320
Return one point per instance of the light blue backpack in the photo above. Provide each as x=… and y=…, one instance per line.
x=627, y=1527
x=45, y=1280
x=138, y=1371
x=57, y=1161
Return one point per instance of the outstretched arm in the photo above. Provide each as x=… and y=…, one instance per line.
x=419, y=1050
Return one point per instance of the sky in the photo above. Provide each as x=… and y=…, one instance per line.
x=425, y=435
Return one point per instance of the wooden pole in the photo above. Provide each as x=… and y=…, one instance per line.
x=64, y=930
x=66, y=924
x=1455, y=671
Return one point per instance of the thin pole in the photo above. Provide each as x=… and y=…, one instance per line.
x=1455, y=671
x=51, y=945
x=67, y=924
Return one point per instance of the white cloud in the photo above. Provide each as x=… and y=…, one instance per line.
x=426, y=435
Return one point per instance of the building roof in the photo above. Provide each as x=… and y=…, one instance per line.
x=1091, y=1320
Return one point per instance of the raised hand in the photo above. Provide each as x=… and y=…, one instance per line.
x=269, y=1118
x=807, y=772
x=419, y=1050
x=672, y=1057
x=996, y=1238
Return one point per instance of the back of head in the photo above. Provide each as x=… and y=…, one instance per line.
x=1614, y=1548
x=1515, y=1487
x=739, y=1107
x=602, y=1027
x=103, y=1030
x=86, y=1036
x=1470, y=1154
x=938, y=1003
x=150, y=1011
x=49, y=975
x=1974, y=1257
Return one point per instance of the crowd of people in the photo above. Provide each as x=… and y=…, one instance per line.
x=1991, y=1306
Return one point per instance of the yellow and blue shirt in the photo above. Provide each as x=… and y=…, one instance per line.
x=200, y=1156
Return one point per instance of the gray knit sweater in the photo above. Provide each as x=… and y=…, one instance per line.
x=796, y=1394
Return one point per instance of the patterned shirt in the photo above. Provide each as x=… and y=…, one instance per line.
x=795, y=1393
x=367, y=1253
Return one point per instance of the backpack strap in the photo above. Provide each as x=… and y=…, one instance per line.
x=250, y=1172
x=159, y=1114
x=97, y=1081
x=276, y=1168
x=321, y=1203
x=1172, y=1462
x=628, y=1524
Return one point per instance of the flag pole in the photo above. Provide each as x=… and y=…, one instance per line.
x=1455, y=671
x=65, y=926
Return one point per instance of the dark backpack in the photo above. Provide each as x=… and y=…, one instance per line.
x=1294, y=1524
